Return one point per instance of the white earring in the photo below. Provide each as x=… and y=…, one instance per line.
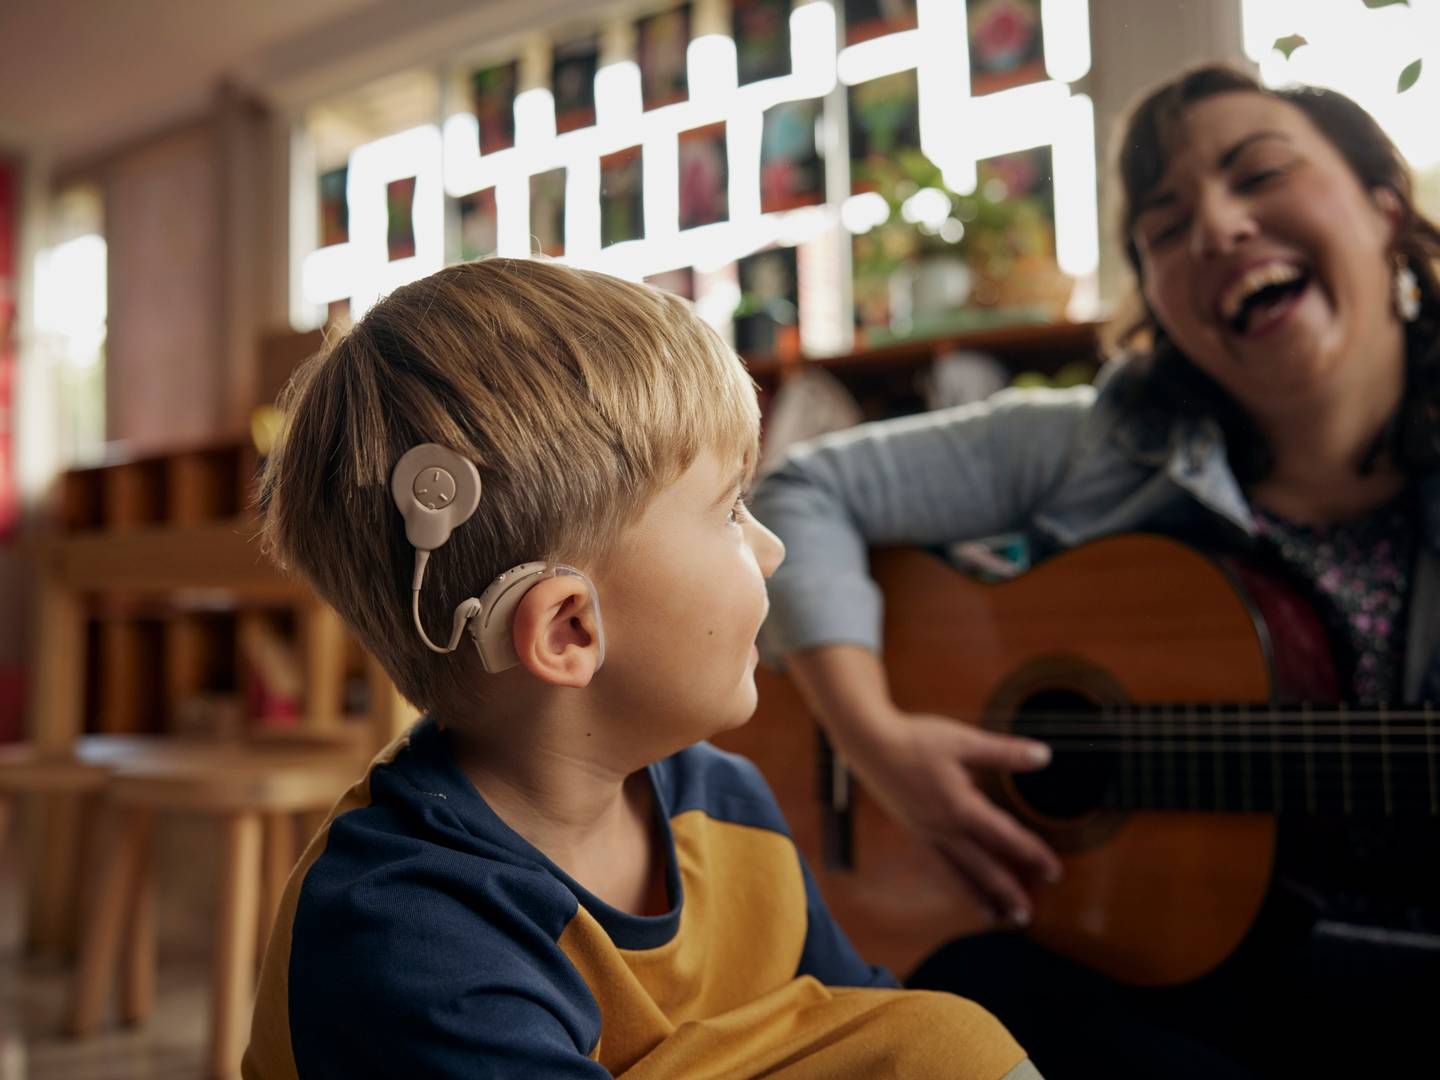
x=1407, y=291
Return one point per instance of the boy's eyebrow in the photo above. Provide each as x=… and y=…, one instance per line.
x=737, y=483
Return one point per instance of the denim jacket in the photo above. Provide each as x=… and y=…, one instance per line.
x=1062, y=467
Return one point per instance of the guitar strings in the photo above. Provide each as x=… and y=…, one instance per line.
x=1187, y=724
x=1101, y=730
x=1149, y=714
x=1202, y=746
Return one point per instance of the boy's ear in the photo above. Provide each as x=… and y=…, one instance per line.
x=555, y=632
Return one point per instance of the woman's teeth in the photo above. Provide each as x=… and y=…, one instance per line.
x=1257, y=289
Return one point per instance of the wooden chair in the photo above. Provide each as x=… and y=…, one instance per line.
x=253, y=793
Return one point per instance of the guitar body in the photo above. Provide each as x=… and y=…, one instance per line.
x=1149, y=897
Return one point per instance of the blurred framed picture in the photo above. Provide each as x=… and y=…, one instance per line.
x=1022, y=186
x=866, y=19
x=622, y=196
x=400, y=218
x=547, y=212
x=662, y=41
x=1024, y=174
x=869, y=289
x=884, y=124
x=572, y=81
x=492, y=96
x=761, y=29
x=1006, y=44
x=704, y=177
x=334, y=207
x=1014, y=260
x=680, y=282
x=767, y=320
x=791, y=171
x=479, y=225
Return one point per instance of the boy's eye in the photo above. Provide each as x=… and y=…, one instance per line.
x=738, y=512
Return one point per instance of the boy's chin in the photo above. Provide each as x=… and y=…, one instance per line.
x=713, y=727
x=740, y=716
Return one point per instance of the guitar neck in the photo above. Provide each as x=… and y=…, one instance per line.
x=1331, y=761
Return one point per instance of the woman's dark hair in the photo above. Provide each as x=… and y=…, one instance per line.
x=1170, y=380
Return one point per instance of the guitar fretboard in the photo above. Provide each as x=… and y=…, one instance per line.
x=1296, y=760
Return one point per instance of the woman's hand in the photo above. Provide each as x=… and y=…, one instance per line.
x=921, y=769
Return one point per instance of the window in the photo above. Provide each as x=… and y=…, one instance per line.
x=675, y=144
x=1361, y=52
x=70, y=320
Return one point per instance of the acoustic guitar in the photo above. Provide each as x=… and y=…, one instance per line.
x=1202, y=760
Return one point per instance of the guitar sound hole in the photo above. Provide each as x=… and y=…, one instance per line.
x=1081, y=772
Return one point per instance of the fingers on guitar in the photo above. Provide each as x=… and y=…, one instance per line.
x=1009, y=753
x=1001, y=891
x=1014, y=843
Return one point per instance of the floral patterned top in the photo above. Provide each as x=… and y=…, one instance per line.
x=1360, y=570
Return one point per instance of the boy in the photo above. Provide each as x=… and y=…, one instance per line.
x=552, y=875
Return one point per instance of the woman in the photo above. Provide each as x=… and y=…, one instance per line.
x=1281, y=394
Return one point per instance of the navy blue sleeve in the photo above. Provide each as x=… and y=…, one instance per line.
x=828, y=954
x=408, y=966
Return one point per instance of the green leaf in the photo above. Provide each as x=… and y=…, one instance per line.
x=1408, y=77
x=1288, y=44
x=1373, y=4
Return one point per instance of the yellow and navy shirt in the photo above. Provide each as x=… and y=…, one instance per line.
x=422, y=936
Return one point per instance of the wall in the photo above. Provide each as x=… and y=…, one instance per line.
x=187, y=223
x=162, y=223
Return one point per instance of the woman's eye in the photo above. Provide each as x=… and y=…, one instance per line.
x=1162, y=236
x=1258, y=179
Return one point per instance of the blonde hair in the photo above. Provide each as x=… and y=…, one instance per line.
x=577, y=395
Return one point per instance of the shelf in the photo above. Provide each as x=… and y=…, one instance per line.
x=134, y=495
x=207, y=481
x=1042, y=347
x=210, y=555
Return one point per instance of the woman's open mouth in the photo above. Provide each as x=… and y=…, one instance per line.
x=1261, y=297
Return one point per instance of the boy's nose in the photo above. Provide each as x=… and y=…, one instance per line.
x=769, y=549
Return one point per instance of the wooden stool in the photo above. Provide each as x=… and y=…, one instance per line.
x=27, y=770
x=65, y=784
x=67, y=781
x=253, y=794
